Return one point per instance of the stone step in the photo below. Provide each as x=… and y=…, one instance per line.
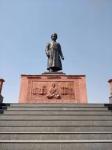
x=58, y=117
x=1, y=111
x=59, y=109
x=56, y=144
x=64, y=112
x=57, y=105
x=53, y=123
x=55, y=129
x=56, y=126
x=56, y=135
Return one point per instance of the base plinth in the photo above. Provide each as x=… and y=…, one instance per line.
x=53, y=88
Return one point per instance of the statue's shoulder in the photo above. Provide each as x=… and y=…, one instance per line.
x=48, y=44
x=59, y=44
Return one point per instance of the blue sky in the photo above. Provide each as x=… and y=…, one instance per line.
x=84, y=30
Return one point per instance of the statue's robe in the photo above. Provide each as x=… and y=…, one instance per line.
x=54, y=54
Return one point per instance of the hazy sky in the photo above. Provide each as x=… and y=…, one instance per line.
x=84, y=30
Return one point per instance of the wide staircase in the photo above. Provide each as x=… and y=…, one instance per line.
x=55, y=127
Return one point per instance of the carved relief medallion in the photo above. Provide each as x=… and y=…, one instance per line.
x=53, y=90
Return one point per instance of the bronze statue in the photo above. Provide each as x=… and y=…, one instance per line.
x=54, y=54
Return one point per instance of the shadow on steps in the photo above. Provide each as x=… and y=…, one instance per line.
x=3, y=106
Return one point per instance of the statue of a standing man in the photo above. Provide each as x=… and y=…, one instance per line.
x=54, y=54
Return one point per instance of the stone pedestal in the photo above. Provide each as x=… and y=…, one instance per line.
x=1, y=99
x=53, y=88
x=110, y=84
x=1, y=85
x=110, y=99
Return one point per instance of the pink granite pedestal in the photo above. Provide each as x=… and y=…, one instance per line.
x=53, y=88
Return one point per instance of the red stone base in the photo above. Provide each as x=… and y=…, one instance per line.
x=53, y=88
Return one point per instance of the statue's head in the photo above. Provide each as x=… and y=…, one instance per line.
x=54, y=36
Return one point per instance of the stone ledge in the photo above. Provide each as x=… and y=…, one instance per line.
x=55, y=141
x=56, y=132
